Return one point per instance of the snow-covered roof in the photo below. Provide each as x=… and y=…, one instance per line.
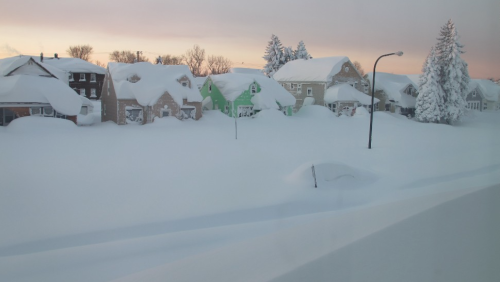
x=415, y=78
x=345, y=92
x=394, y=85
x=154, y=81
x=232, y=85
x=246, y=71
x=320, y=69
x=8, y=65
x=200, y=80
x=489, y=89
x=74, y=65
x=37, y=89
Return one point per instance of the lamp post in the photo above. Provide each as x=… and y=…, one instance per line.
x=399, y=53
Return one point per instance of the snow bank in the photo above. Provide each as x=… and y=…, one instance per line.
x=33, y=124
x=330, y=174
x=320, y=69
x=154, y=81
x=36, y=89
x=361, y=112
x=345, y=92
x=315, y=111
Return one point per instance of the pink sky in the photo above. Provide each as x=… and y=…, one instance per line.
x=359, y=29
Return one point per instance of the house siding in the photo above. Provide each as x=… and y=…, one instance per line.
x=86, y=84
x=109, y=103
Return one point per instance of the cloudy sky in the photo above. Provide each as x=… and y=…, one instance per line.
x=240, y=30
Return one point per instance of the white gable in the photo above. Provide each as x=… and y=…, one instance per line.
x=489, y=89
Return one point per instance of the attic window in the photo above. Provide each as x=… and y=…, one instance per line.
x=184, y=84
x=253, y=89
x=210, y=87
x=346, y=69
x=474, y=93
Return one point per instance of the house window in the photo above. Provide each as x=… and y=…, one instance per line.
x=6, y=116
x=309, y=91
x=293, y=86
x=355, y=84
x=82, y=77
x=93, y=93
x=36, y=111
x=184, y=84
x=299, y=87
x=92, y=77
x=133, y=115
x=485, y=105
x=84, y=110
x=474, y=93
x=387, y=107
x=59, y=115
x=71, y=77
x=48, y=111
x=210, y=87
x=188, y=112
x=253, y=89
x=82, y=92
x=365, y=88
x=165, y=113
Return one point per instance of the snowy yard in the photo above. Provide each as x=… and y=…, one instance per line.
x=184, y=201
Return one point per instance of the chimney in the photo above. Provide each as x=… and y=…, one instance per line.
x=41, y=57
x=56, y=56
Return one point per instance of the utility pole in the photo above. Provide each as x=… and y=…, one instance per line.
x=138, y=55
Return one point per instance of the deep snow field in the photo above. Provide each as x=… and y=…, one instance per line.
x=185, y=201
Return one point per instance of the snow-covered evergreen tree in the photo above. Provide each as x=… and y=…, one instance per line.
x=288, y=55
x=301, y=52
x=273, y=56
x=430, y=97
x=453, y=73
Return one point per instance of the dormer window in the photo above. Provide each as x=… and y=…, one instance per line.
x=82, y=77
x=210, y=87
x=253, y=89
x=184, y=84
x=92, y=77
x=71, y=77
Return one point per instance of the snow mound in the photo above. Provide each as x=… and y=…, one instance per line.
x=271, y=114
x=361, y=112
x=331, y=175
x=315, y=111
x=40, y=124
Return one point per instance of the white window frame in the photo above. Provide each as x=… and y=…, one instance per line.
x=36, y=111
x=474, y=93
x=293, y=86
x=309, y=92
x=163, y=111
x=50, y=111
x=93, y=93
x=299, y=87
x=93, y=77
x=82, y=75
x=253, y=89
x=84, y=110
x=71, y=78
x=82, y=92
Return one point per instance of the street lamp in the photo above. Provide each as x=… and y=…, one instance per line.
x=399, y=53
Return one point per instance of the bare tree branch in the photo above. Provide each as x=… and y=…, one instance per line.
x=357, y=65
x=218, y=64
x=194, y=59
x=80, y=51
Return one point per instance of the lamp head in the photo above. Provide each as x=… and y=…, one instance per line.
x=399, y=53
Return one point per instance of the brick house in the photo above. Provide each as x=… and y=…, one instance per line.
x=139, y=93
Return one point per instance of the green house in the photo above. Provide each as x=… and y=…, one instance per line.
x=244, y=95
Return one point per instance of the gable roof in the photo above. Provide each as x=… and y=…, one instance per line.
x=489, y=89
x=320, y=69
x=345, y=92
x=9, y=65
x=232, y=85
x=394, y=85
x=154, y=81
x=37, y=89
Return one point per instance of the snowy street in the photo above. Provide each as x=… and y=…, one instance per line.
x=184, y=201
